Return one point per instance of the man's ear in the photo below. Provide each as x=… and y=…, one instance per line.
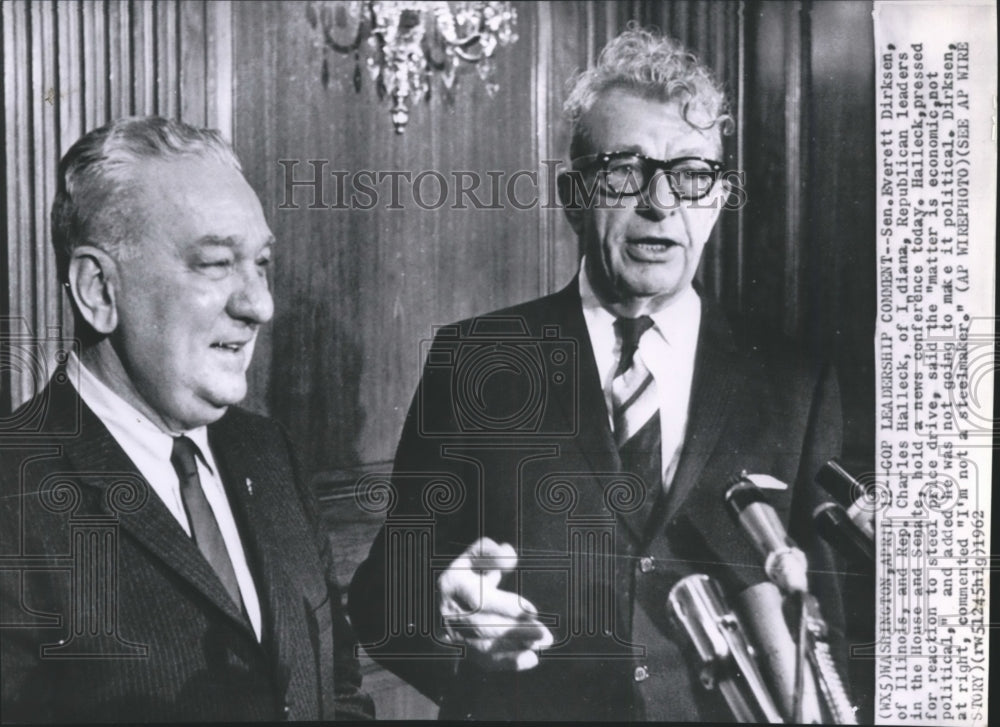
x=93, y=281
x=568, y=185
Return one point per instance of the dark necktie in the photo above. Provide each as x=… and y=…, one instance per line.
x=636, y=409
x=204, y=527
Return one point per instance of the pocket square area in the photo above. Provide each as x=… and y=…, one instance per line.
x=767, y=482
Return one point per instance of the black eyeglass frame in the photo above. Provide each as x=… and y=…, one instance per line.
x=650, y=167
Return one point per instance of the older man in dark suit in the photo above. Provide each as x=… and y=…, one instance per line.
x=170, y=564
x=564, y=462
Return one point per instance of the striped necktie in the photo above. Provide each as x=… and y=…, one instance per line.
x=636, y=407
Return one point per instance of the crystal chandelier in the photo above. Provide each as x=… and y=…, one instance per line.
x=405, y=42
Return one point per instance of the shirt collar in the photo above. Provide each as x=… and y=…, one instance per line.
x=124, y=420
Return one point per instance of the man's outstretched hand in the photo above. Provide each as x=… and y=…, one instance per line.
x=500, y=628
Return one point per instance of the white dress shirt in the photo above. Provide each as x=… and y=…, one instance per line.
x=149, y=449
x=667, y=350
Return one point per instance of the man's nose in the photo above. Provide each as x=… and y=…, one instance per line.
x=252, y=301
x=657, y=200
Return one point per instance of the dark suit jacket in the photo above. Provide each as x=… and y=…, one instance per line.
x=111, y=613
x=508, y=437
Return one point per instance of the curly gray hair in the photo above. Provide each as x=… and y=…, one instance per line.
x=93, y=192
x=652, y=66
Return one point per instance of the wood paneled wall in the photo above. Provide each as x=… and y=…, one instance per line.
x=69, y=67
x=357, y=291
x=809, y=222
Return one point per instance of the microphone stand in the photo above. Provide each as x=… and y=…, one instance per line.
x=800, y=663
x=814, y=645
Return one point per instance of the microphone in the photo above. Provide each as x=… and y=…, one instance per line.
x=845, y=489
x=727, y=659
x=786, y=566
x=784, y=563
x=760, y=609
x=836, y=527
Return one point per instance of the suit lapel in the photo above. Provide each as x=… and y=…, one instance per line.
x=248, y=495
x=595, y=439
x=245, y=493
x=276, y=539
x=706, y=467
x=716, y=381
x=100, y=463
x=583, y=405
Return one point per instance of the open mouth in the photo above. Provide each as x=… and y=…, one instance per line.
x=651, y=248
x=233, y=347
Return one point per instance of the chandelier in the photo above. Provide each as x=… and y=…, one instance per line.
x=407, y=41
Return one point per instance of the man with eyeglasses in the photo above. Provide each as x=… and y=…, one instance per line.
x=540, y=589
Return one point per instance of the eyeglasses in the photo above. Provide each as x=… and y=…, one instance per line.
x=628, y=173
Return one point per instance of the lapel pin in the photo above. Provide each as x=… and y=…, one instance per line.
x=249, y=486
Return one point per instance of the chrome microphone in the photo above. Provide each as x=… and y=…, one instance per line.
x=836, y=527
x=850, y=493
x=784, y=563
x=727, y=659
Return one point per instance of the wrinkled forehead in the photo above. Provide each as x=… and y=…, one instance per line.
x=199, y=173
x=197, y=196
x=624, y=120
